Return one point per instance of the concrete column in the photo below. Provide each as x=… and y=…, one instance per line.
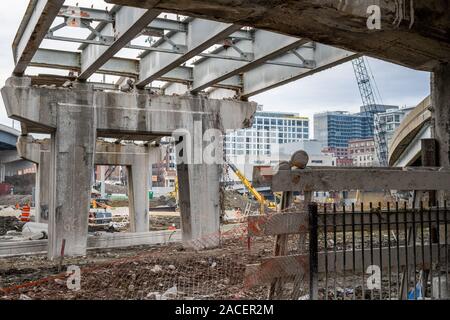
x=72, y=164
x=102, y=181
x=199, y=194
x=43, y=187
x=199, y=184
x=138, y=186
x=38, y=152
x=440, y=95
x=440, y=100
x=134, y=157
x=2, y=172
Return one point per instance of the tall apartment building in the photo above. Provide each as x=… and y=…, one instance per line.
x=269, y=130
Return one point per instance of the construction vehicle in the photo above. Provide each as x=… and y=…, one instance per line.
x=174, y=193
x=100, y=215
x=263, y=202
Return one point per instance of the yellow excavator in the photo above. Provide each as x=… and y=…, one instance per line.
x=263, y=202
x=174, y=193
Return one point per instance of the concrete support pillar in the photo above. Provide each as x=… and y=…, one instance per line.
x=43, y=187
x=138, y=187
x=2, y=172
x=136, y=158
x=440, y=95
x=440, y=100
x=199, y=194
x=102, y=181
x=199, y=182
x=72, y=164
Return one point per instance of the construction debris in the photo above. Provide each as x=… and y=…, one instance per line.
x=35, y=231
x=8, y=224
x=148, y=273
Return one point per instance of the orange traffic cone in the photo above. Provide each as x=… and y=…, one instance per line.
x=25, y=216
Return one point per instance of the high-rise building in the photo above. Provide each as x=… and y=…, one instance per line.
x=335, y=129
x=269, y=130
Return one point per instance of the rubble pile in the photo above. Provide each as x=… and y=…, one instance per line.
x=112, y=188
x=233, y=199
x=9, y=223
x=147, y=273
x=163, y=202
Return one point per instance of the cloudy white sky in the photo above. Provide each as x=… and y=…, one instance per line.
x=333, y=89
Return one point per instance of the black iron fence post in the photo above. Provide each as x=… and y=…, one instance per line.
x=313, y=252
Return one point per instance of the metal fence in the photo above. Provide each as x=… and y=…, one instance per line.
x=384, y=252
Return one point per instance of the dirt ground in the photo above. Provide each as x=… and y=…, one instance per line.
x=161, y=272
x=153, y=203
x=163, y=222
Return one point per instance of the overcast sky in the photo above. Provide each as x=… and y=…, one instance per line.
x=333, y=89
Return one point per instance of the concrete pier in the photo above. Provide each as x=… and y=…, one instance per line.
x=199, y=194
x=38, y=152
x=440, y=101
x=71, y=167
x=76, y=116
x=137, y=158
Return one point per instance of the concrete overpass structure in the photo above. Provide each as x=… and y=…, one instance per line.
x=405, y=148
x=75, y=117
x=190, y=55
x=10, y=162
x=412, y=33
x=136, y=158
x=251, y=46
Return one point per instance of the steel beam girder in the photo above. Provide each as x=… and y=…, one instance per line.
x=269, y=76
x=230, y=86
x=129, y=22
x=168, y=25
x=38, y=19
x=414, y=33
x=266, y=46
x=201, y=35
x=85, y=14
x=67, y=60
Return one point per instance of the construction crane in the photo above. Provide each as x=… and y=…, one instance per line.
x=109, y=172
x=369, y=102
